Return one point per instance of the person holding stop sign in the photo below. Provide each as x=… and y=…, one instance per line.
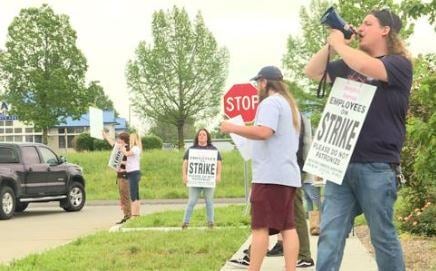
x=276, y=174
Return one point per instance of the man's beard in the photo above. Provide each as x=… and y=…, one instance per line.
x=263, y=93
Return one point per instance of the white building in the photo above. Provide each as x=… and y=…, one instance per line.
x=60, y=137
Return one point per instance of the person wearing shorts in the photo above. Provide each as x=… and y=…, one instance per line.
x=276, y=174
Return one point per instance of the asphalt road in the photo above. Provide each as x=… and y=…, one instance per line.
x=44, y=226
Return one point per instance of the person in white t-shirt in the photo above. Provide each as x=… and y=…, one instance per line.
x=276, y=174
x=133, y=170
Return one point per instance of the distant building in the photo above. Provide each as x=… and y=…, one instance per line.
x=60, y=137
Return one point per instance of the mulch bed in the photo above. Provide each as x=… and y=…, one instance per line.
x=419, y=252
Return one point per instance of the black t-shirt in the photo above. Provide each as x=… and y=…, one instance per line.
x=208, y=147
x=122, y=172
x=383, y=132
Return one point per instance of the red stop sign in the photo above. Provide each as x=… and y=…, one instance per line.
x=241, y=99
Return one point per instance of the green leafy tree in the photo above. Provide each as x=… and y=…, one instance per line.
x=42, y=70
x=99, y=98
x=417, y=8
x=419, y=152
x=168, y=133
x=181, y=75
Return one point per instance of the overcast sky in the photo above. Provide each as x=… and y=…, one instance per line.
x=254, y=32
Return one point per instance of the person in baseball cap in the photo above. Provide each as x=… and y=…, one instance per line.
x=275, y=170
x=269, y=73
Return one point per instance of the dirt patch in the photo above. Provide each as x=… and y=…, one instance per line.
x=419, y=252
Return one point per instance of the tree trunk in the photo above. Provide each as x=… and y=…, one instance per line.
x=45, y=136
x=180, y=135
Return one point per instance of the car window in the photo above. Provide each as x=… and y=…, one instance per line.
x=30, y=155
x=8, y=155
x=48, y=156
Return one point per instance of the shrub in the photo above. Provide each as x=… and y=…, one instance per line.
x=419, y=155
x=420, y=221
x=84, y=142
x=100, y=145
x=151, y=142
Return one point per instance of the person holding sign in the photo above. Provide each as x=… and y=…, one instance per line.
x=369, y=185
x=123, y=185
x=133, y=169
x=201, y=169
x=276, y=173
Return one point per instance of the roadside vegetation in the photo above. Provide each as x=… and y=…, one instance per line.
x=192, y=249
x=161, y=175
x=231, y=216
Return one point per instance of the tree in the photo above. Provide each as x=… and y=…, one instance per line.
x=98, y=98
x=181, y=75
x=307, y=102
x=168, y=133
x=419, y=153
x=301, y=48
x=42, y=70
x=416, y=9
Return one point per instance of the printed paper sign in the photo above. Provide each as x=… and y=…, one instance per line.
x=95, y=122
x=115, y=158
x=339, y=129
x=202, y=167
x=244, y=145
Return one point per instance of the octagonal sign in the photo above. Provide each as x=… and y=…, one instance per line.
x=241, y=99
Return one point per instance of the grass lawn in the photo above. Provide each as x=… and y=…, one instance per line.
x=190, y=250
x=161, y=175
x=231, y=216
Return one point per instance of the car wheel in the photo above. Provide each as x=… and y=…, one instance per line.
x=76, y=198
x=7, y=201
x=21, y=206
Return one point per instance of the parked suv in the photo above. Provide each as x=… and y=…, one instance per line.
x=32, y=172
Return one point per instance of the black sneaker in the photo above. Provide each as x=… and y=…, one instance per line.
x=241, y=263
x=123, y=220
x=276, y=251
x=305, y=263
x=246, y=251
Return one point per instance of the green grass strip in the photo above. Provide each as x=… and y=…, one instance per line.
x=231, y=216
x=189, y=250
x=161, y=175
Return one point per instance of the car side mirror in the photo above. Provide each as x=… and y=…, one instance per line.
x=62, y=159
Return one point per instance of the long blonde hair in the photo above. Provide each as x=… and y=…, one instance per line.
x=281, y=88
x=396, y=45
x=135, y=140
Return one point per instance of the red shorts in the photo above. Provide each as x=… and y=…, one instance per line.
x=272, y=207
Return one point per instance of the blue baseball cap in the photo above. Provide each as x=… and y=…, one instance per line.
x=269, y=73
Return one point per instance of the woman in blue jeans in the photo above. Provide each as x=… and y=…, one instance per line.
x=202, y=141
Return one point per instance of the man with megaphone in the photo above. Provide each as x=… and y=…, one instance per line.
x=369, y=185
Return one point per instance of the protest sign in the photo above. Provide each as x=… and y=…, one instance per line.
x=115, y=158
x=95, y=122
x=202, y=167
x=339, y=129
x=243, y=144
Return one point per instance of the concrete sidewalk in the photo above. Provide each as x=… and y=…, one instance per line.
x=356, y=257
